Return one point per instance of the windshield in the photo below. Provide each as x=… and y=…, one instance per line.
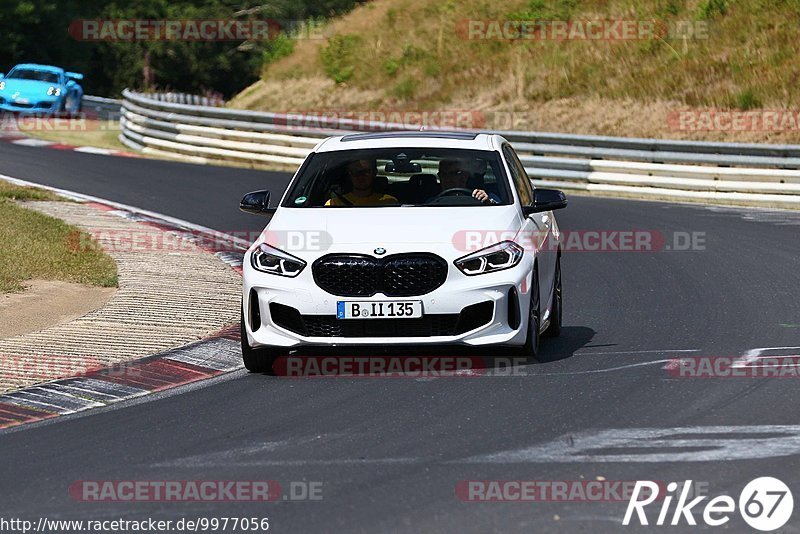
x=36, y=75
x=400, y=177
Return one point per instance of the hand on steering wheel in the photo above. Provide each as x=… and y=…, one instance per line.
x=481, y=195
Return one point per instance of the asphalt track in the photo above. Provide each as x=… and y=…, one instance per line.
x=391, y=451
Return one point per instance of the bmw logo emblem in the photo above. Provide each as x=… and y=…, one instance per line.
x=380, y=251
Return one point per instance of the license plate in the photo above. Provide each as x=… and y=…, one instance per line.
x=386, y=309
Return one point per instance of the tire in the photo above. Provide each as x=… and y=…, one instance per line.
x=556, y=310
x=257, y=360
x=530, y=350
x=70, y=107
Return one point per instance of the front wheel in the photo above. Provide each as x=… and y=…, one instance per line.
x=257, y=360
x=72, y=104
x=554, y=329
x=530, y=350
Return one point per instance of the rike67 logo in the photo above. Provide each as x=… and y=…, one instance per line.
x=766, y=504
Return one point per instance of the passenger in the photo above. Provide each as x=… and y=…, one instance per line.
x=455, y=173
x=362, y=175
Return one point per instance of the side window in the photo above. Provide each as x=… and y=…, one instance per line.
x=520, y=177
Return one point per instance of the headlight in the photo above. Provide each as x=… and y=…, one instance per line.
x=504, y=255
x=270, y=260
x=54, y=91
x=2, y=85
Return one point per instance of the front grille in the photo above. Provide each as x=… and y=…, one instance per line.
x=400, y=275
x=348, y=276
x=426, y=326
x=433, y=325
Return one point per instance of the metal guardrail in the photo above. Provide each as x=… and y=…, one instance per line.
x=104, y=108
x=100, y=100
x=186, y=98
x=711, y=172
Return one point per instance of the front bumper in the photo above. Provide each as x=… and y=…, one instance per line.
x=506, y=291
x=40, y=106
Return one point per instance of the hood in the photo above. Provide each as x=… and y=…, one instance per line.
x=382, y=226
x=26, y=88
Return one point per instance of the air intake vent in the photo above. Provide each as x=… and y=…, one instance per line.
x=255, y=311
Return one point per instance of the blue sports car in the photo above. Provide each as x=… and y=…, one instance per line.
x=30, y=88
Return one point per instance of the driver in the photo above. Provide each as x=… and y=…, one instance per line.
x=455, y=173
x=362, y=173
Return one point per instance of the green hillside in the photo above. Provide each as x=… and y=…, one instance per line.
x=418, y=55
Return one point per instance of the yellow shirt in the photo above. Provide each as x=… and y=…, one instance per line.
x=375, y=199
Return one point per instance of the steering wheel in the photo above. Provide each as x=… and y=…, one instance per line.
x=453, y=191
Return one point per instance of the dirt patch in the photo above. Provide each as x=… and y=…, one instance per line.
x=46, y=303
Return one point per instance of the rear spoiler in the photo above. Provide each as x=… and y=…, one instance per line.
x=73, y=76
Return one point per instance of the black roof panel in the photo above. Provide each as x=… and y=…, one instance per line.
x=463, y=136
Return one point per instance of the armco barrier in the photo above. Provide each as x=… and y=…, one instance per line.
x=104, y=108
x=729, y=173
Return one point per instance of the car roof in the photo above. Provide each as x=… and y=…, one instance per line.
x=416, y=139
x=34, y=66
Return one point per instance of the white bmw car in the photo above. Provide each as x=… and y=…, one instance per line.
x=404, y=238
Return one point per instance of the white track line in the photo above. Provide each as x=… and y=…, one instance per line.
x=783, y=365
x=32, y=141
x=753, y=355
x=95, y=150
x=607, y=370
x=637, y=352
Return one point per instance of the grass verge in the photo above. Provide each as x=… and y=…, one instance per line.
x=36, y=246
x=100, y=134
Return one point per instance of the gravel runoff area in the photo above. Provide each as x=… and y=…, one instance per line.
x=171, y=292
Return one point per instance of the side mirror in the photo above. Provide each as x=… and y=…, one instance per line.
x=74, y=76
x=546, y=200
x=257, y=203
